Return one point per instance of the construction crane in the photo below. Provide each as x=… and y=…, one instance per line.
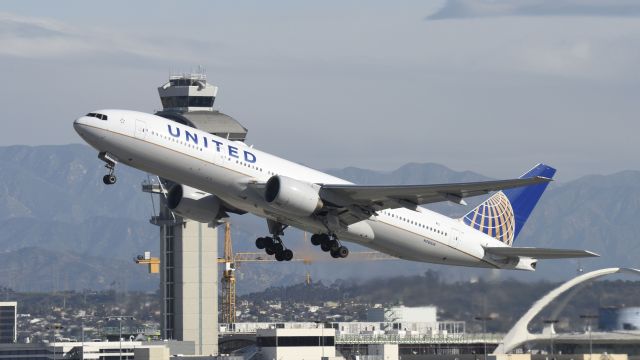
x=152, y=262
x=230, y=260
x=228, y=279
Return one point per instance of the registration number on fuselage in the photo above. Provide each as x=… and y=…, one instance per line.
x=429, y=242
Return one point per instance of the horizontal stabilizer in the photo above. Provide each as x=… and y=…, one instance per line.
x=539, y=253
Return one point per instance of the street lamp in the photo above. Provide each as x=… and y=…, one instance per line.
x=321, y=334
x=588, y=317
x=82, y=318
x=120, y=318
x=551, y=323
x=484, y=319
x=53, y=329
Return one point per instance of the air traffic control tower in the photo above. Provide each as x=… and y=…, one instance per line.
x=189, y=249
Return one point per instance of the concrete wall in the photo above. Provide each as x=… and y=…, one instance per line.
x=196, y=286
x=385, y=351
x=151, y=353
x=296, y=352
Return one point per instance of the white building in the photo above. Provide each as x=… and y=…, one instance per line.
x=299, y=344
x=403, y=314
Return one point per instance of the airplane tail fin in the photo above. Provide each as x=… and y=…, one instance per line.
x=505, y=212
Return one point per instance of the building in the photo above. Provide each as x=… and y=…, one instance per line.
x=364, y=338
x=400, y=314
x=8, y=321
x=619, y=318
x=100, y=350
x=296, y=343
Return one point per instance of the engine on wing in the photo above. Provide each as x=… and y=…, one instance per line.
x=293, y=196
x=193, y=204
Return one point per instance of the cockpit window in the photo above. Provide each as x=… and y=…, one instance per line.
x=99, y=116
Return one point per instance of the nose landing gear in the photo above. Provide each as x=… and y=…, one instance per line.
x=111, y=162
x=331, y=244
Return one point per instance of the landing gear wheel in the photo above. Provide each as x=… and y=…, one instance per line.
x=287, y=255
x=343, y=251
x=280, y=256
x=278, y=248
x=316, y=239
x=111, y=162
x=325, y=246
x=260, y=243
x=334, y=245
x=334, y=253
x=269, y=251
x=109, y=179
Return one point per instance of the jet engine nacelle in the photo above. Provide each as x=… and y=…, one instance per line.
x=193, y=204
x=293, y=196
x=518, y=263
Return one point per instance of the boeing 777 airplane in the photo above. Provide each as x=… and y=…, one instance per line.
x=212, y=177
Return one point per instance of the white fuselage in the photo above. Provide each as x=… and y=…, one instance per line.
x=225, y=168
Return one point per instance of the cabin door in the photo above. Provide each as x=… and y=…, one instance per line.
x=141, y=129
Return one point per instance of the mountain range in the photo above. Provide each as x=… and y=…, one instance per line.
x=63, y=229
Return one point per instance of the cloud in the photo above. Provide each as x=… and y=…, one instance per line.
x=37, y=38
x=459, y=9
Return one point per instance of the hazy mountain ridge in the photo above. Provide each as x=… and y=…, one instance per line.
x=43, y=270
x=52, y=199
x=59, y=182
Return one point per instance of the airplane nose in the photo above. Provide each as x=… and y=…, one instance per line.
x=77, y=123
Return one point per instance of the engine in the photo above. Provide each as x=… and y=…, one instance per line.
x=293, y=196
x=193, y=204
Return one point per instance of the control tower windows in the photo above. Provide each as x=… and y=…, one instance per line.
x=185, y=82
x=201, y=101
x=187, y=101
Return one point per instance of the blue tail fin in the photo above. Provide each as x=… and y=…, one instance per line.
x=503, y=215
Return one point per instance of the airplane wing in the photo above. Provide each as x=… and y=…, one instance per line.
x=358, y=202
x=539, y=253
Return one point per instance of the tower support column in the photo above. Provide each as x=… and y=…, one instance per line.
x=188, y=280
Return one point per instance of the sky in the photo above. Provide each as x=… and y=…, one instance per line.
x=489, y=86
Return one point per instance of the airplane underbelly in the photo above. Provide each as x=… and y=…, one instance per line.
x=412, y=246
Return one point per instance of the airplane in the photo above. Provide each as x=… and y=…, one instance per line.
x=210, y=177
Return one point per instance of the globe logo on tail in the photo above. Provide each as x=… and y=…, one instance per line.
x=494, y=217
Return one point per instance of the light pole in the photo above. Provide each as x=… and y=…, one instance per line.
x=321, y=334
x=82, y=337
x=82, y=334
x=588, y=317
x=53, y=329
x=551, y=323
x=484, y=319
x=120, y=318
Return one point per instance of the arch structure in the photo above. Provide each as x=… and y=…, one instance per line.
x=520, y=334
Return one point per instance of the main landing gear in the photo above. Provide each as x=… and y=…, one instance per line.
x=111, y=161
x=273, y=244
x=331, y=244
